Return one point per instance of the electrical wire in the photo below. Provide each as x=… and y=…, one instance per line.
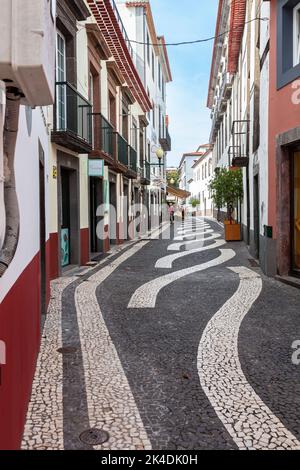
x=197, y=41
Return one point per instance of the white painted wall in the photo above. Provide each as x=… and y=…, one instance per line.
x=199, y=188
x=263, y=151
x=27, y=183
x=136, y=27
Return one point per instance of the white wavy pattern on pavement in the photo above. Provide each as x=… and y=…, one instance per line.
x=167, y=261
x=192, y=234
x=146, y=295
x=192, y=230
x=251, y=424
x=111, y=405
x=202, y=239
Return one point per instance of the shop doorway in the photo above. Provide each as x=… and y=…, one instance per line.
x=296, y=214
x=126, y=211
x=69, y=218
x=113, y=212
x=96, y=199
x=256, y=215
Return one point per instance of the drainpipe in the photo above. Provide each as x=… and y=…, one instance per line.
x=12, y=217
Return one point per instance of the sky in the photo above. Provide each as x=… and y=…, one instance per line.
x=189, y=117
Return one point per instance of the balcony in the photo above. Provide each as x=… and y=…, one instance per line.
x=72, y=119
x=133, y=159
x=166, y=142
x=147, y=173
x=122, y=146
x=104, y=135
x=239, y=151
x=226, y=86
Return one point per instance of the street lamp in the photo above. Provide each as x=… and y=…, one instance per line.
x=159, y=153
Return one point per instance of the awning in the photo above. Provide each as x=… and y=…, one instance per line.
x=180, y=193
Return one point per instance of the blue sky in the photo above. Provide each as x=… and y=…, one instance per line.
x=180, y=20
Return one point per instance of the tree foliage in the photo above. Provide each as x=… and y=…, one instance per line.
x=194, y=202
x=227, y=188
x=175, y=176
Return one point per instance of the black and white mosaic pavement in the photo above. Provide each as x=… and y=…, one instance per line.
x=175, y=344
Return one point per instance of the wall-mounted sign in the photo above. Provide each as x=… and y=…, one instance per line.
x=96, y=168
x=54, y=172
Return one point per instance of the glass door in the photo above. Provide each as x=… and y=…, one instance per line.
x=296, y=214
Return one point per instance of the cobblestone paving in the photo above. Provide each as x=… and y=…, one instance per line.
x=208, y=366
x=111, y=405
x=44, y=426
x=249, y=421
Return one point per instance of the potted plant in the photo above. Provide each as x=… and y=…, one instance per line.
x=194, y=203
x=227, y=190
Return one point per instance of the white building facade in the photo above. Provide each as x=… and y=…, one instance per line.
x=199, y=185
x=152, y=63
x=238, y=99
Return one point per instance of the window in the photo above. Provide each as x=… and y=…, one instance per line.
x=112, y=109
x=153, y=66
x=296, y=31
x=125, y=119
x=148, y=48
x=163, y=88
x=161, y=135
x=61, y=77
x=134, y=134
x=153, y=115
x=288, y=41
x=159, y=75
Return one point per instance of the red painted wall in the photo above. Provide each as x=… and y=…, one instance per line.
x=20, y=329
x=283, y=115
x=53, y=256
x=84, y=246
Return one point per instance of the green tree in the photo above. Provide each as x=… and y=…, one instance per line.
x=173, y=175
x=194, y=202
x=227, y=189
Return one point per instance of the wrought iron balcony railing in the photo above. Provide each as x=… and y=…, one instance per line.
x=165, y=141
x=147, y=171
x=103, y=135
x=72, y=119
x=133, y=159
x=123, y=156
x=239, y=151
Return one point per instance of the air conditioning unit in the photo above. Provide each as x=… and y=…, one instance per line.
x=27, y=49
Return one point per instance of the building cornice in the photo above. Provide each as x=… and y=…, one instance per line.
x=111, y=27
x=237, y=26
x=221, y=26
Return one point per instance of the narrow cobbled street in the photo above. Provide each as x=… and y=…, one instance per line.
x=169, y=344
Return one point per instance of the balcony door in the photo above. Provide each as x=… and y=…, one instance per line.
x=61, y=77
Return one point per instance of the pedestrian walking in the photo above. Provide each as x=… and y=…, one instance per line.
x=171, y=211
x=182, y=214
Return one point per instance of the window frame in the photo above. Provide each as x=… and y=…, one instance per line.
x=61, y=100
x=296, y=35
x=287, y=72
